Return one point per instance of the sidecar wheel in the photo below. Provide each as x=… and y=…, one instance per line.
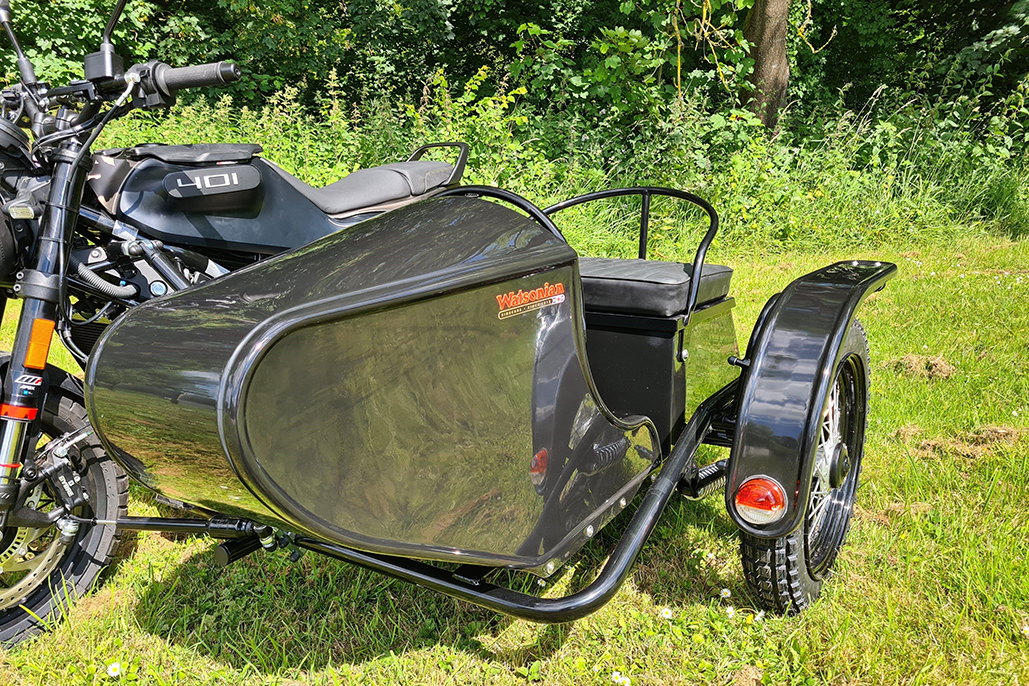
x=786, y=574
x=33, y=597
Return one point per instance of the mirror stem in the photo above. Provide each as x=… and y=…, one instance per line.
x=28, y=74
x=111, y=23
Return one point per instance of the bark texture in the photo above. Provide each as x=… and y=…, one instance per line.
x=765, y=29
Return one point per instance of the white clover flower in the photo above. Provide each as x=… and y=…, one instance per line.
x=726, y=593
x=666, y=613
x=759, y=616
x=731, y=611
x=114, y=670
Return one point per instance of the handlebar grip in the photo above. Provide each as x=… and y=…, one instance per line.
x=171, y=79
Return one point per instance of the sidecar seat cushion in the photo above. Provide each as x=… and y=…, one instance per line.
x=375, y=185
x=647, y=287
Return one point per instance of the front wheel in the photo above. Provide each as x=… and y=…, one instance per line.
x=40, y=576
x=786, y=574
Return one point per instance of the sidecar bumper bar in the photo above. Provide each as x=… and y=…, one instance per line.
x=577, y=605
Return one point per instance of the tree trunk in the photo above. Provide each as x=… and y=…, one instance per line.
x=765, y=29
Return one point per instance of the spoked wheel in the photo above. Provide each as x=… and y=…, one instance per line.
x=40, y=576
x=786, y=574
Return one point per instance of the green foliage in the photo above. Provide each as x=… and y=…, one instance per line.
x=870, y=178
x=57, y=34
x=904, y=117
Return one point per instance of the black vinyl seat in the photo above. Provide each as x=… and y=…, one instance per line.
x=375, y=186
x=647, y=287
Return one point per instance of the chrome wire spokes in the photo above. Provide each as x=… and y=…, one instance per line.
x=821, y=488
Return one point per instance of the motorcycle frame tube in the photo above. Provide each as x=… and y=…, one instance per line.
x=791, y=364
x=58, y=221
x=579, y=604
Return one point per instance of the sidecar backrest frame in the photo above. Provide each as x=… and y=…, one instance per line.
x=645, y=193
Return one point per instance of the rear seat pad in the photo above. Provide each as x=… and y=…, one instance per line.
x=647, y=287
x=374, y=186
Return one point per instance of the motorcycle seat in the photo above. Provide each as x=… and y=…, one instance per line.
x=647, y=287
x=388, y=185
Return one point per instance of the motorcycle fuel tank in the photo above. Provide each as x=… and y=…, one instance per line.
x=174, y=194
x=413, y=385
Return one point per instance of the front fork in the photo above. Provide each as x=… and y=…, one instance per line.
x=24, y=389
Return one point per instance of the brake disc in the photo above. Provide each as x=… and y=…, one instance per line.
x=31, y=553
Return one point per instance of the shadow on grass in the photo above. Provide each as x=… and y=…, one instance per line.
x=271, y=615
x=673, y=568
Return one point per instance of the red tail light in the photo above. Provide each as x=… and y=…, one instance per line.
x=538, y=468
x=761, y=500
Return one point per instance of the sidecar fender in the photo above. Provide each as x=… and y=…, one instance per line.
x=791, y=362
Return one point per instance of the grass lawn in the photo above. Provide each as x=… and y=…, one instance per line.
x=932, y=588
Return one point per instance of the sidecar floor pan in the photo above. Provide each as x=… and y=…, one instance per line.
x=647, y=287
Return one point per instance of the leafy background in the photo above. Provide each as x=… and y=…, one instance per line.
x=904, y=139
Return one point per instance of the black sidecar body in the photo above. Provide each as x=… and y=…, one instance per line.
x=449, y=381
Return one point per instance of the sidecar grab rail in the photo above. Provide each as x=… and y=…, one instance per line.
x=459, y=164
x=576, y=605
x=646, y=192
x=540, y=216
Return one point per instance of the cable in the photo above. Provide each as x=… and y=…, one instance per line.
x=64, y=306
x=91, y=278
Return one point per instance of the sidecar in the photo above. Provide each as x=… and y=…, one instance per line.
x=448, y=388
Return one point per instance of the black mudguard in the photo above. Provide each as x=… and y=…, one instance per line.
x=793, y=356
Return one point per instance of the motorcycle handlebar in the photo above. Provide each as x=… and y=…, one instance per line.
x=171, y=79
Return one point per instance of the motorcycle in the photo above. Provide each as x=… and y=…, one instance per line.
x=395, y=370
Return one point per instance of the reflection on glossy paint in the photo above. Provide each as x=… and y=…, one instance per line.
x=368, y=393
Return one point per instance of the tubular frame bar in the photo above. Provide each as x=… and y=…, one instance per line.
x=646, y=192
x=507, y=196
x=577, y=605
x=459, y=165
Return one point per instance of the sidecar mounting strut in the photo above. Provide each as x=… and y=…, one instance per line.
x=471, y=588
x=215, y=527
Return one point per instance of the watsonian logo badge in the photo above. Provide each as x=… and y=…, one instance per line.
x=520, y=302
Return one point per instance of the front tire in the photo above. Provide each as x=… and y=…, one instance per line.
x=786, y=574
x=32, y=597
